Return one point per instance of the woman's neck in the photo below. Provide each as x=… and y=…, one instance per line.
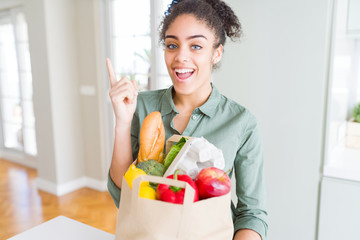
x=187, y=103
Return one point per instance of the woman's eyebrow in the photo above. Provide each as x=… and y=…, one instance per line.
x=188, y=38
x=196, y=36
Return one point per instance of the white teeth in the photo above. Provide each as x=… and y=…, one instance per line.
x=183, y=70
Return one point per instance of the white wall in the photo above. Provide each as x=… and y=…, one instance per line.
x=279, y=72
x=53, y=50
x=46, y=163
x=64, y=82
x=91, y=63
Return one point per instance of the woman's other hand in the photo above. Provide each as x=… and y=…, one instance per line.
x=123, y=95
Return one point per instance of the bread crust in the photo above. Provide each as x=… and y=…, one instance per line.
x=152, y=138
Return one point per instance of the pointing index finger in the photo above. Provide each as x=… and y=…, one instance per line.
x=111, y=72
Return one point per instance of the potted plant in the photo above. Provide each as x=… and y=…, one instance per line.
x=353, y=129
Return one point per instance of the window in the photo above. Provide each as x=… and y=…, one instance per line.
x=132, y=43
x=17, y=116
x=342, y=159
x=134, y=47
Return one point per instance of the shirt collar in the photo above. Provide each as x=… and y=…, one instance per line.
x=167, y=104
x=208, y=108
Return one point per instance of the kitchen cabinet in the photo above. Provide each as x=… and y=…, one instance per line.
x=339, y=209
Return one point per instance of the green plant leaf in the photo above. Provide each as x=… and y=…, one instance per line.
x=356, y=113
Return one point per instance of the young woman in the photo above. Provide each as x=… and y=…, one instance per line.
x=194, y=33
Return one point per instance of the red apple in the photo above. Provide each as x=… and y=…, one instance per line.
x=212, y=182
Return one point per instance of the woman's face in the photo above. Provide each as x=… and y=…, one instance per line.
x=190, y=54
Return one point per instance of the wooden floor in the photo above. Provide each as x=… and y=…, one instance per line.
x=22, y=206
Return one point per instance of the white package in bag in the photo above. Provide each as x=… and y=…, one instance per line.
x=196, y=154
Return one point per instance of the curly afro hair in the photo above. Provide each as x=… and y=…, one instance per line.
x=215, y=13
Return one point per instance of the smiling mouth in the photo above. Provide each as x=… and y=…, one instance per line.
x=183, y=74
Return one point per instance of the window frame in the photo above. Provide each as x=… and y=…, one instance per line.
x=156, y=7
x=339, y=159
x=14, y=154
x=156, y=53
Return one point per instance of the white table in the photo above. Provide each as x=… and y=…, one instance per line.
x=61, y=228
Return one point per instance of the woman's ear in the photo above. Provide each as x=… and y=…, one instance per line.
x=218, y=54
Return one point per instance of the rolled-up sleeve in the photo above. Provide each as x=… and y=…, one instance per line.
x=250, y=211
x=114, y=191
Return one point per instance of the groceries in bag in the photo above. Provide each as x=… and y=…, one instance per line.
x=187, y=157
x=146, y=191
x=152, y=138
x=195, y=155
x=174, y=151
x=174, y=194
x=212, y=182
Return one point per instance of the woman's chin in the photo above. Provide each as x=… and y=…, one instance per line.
x=181, y=88
x=180, y=83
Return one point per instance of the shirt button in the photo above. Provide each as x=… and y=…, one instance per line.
x=194, y=117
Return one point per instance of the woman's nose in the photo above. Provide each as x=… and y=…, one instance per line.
x=182, y=55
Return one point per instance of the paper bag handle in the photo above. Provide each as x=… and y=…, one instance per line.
x=189, y=190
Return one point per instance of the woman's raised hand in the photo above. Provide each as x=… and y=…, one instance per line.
x=123, y=94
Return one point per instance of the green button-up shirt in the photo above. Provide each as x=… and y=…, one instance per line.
x=231, y=128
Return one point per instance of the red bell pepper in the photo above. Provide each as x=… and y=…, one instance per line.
x=174, y=194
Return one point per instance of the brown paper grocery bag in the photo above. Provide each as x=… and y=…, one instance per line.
x=140, y=219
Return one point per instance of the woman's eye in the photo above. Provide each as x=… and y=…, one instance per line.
x=196, y=47
x=171, y=46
